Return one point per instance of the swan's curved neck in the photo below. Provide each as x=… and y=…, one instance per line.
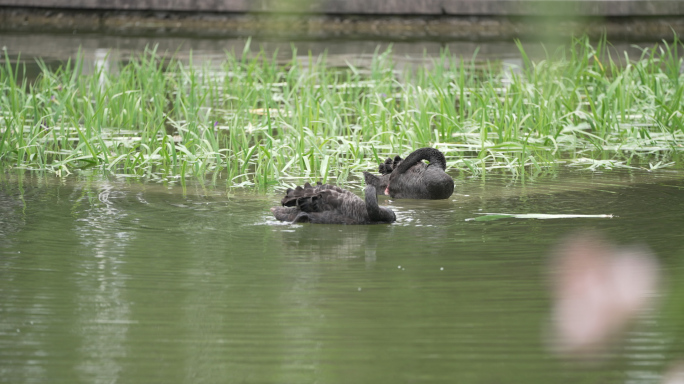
x=434, y=156
x=374, y=211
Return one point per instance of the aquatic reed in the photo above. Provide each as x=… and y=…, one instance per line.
x=255, y=120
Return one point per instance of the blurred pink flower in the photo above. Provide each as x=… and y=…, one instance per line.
x=675, y=375
x=597, y=289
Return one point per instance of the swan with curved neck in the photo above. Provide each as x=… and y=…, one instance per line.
x=411, y=178
x=329, y=204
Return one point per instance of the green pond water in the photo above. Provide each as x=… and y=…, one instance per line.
x=121, y=281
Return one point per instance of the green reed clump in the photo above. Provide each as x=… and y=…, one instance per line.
x=255, y=119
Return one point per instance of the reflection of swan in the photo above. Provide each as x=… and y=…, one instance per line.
x=364, y=243
x=410, y=178
x=329, y=204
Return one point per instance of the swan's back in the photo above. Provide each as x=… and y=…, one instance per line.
x=328, y=204
x=318, y=198
x=422, y=181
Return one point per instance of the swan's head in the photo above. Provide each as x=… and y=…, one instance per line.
x=387, y=215
x=389, y=182
x=392, y=215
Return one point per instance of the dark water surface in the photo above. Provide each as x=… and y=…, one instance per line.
x=105, y=281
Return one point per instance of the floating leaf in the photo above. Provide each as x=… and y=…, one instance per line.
x=541, y=216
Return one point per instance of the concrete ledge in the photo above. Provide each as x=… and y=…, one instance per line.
x=316, y=26
x=378, y=7
x=57, y=33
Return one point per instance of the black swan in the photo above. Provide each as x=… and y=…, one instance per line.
x=410, y=178
x=329, y=204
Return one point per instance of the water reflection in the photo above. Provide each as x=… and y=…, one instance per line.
x=57, y=48
x=106, y=280
x=332, y=241
x=102, y=66
x=103, y=311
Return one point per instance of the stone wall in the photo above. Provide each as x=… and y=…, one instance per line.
x=378, y=7
x=435, y=20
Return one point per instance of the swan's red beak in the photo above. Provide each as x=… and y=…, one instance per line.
x=387, y=191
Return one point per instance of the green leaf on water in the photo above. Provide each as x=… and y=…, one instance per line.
x=490, y=218
x=540, y=216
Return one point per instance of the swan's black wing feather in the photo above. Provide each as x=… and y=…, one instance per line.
x=319, y=198
x=389, y=165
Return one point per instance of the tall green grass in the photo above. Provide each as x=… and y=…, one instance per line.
x=255, y=120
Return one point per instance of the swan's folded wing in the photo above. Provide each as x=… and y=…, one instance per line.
x=389, y=165
x=290, y=199
x=293, y=196
x=329, y=199
x=319, y=198
x=386, y=167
